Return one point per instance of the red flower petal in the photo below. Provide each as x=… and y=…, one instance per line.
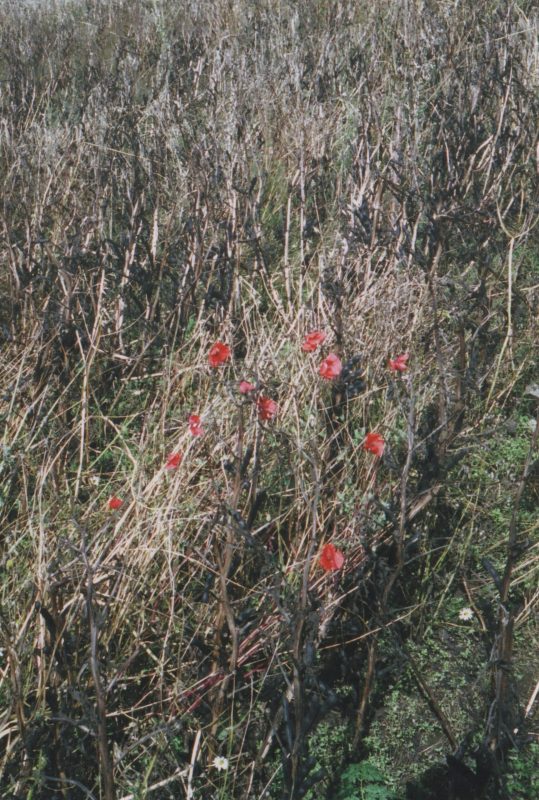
x=330, y=367
x=245, y=387
x=115, y=503
x=374, y=443
x=174, y=460
x=267, y=408
x=218, y=354
x=331, y=558
x=399, y=364
x=195, y=425
x=312, y=341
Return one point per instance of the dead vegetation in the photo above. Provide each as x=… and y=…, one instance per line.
x=176, y=174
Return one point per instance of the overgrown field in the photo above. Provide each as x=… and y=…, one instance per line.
x=236, y=562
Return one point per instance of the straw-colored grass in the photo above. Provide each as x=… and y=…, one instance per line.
x=180, y=174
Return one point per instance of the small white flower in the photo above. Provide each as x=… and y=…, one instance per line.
x=220, y=763
x=466, y=614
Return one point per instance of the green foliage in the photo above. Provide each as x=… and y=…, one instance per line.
x=523, y=773
x=493, y=467
x=450, y=661
x=7, y=470
x=327, y=745
x=364, y=781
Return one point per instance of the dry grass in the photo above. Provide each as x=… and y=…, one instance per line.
x=222, y=171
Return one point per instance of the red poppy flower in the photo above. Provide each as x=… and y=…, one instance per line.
x=115, y=503
x=219, y=353
x=331, y=558
x=267, y=408
x=174, y=460
x=313, y=341
x=245, y=387
x=330, y=367
x=195, y=425
x=374, y=443
x=399, y=364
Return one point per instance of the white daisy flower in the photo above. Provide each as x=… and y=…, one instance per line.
x=465, y=614
x=220, y=763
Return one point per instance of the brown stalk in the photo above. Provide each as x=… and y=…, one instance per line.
x=393, y=577
x=105, y=758
x=501, y=716
x=299, y=631
x=224, y=562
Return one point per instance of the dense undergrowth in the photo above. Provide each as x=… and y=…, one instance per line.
x=176, y=174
